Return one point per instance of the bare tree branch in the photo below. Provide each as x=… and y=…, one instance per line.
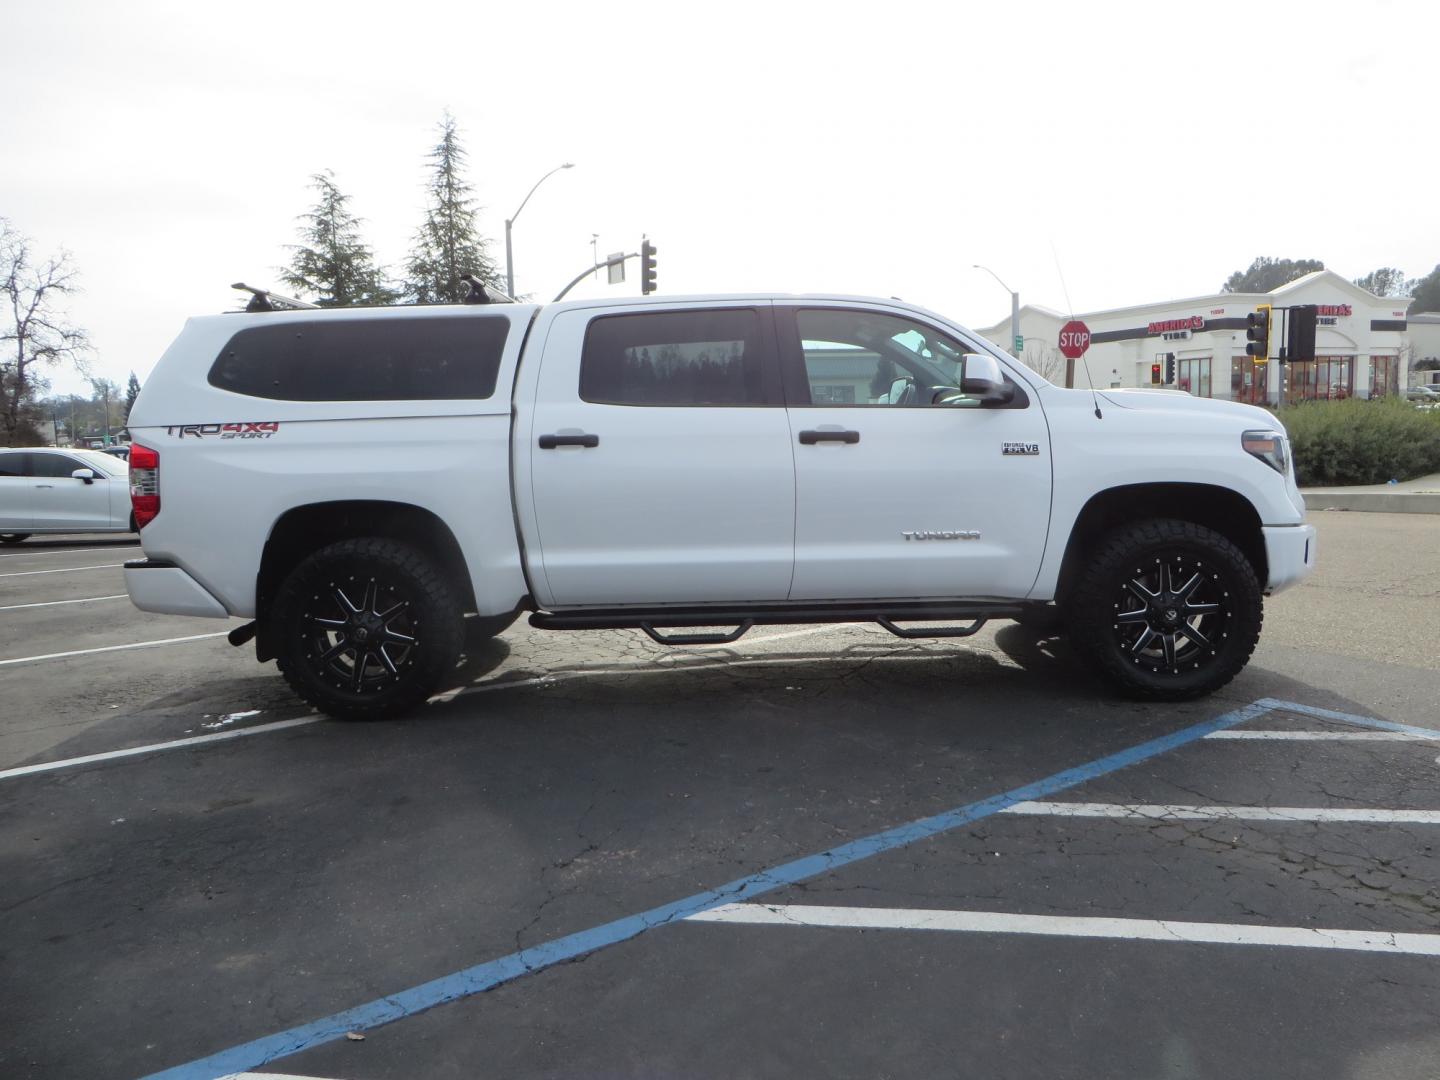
x=36, y=334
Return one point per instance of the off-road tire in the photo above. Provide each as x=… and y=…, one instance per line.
x=330, y=613
x=1169, y=553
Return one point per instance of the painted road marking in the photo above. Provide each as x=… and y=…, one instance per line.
x=1347, y=718
x=486, y=976
x=55, y=603
x=112, y=648
x=999, y=922
x=447, y=696
x=67, y=551
x=174, y=744
x=1321, y=736
x=66, y=570
x=1161, y=812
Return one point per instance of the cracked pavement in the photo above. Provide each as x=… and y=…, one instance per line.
x=160, y=908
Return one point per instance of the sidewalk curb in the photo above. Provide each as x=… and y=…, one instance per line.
x=1374, y=502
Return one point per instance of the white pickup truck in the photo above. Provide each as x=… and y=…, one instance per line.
x=365, y=484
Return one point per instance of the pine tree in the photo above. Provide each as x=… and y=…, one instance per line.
x=333, y=264
x=132, y=391
x=448, y=246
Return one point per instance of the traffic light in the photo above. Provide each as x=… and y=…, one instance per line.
x=1302, y=332
x=1257, y=332
x=647, y=267
x=1169, y=368
x=1154, y=374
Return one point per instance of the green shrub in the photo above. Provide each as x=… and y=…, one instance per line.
x=1361, y=442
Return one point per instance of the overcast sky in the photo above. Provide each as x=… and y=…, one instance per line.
x=1129, y=152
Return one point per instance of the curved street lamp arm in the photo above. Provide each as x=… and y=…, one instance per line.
x=996, y=276
x=511, y=219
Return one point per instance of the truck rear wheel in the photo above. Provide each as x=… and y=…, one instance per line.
x=12, y=538
x=1167, y=610
x=366, y=628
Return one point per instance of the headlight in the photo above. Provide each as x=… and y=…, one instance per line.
x=1268, y=446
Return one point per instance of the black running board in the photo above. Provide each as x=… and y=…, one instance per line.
x=651, y=620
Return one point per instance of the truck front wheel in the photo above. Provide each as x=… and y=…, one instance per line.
x=366, y=628
x=1166, y=609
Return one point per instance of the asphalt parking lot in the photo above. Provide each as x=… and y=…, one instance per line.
x=818, y=851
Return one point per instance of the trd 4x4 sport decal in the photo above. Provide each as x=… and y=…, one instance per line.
x=262, y=430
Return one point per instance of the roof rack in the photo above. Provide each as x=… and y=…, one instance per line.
x=481, y=293
x=265, y=300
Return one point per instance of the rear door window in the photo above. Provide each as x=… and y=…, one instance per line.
x=706, y=357
x=397, y=359
x=55, y=465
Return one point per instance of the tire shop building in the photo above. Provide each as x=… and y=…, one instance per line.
x=1362, y=347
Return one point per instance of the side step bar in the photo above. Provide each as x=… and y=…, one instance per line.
x=652, y=620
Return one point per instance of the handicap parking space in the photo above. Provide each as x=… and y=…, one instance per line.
x=1059, y=935
x=716, y=869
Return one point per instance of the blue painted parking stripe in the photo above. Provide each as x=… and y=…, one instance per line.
x=1347, y=718
x=493, y=973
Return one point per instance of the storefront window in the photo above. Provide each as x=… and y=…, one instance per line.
x=1384, y=376
x=1193, y=375
x=1324, y=378
x=1247, y=380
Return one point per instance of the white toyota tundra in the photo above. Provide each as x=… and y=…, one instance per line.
x=367, y=485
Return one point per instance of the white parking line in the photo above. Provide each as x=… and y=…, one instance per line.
x=112, y=648
x=999, y=922
x=56, y=603
x=66, y=570
x=493, y=684
x=174, y=744
x=59, y=551
x=1327, y=736
x=1162, y=812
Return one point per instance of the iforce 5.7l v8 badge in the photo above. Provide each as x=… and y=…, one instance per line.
x=1020, y=449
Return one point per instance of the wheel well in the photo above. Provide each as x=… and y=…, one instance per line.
x=305, y=529
x=1227, y=512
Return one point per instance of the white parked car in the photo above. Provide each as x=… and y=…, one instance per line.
x=49, y=490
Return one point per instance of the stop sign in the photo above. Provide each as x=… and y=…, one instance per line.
x=1074, y=339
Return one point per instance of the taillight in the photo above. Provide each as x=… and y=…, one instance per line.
x=144, y=484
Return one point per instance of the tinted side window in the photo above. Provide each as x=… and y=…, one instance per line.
x=712, y=357
x=12, y=464
x=365, y=360
x=53, y=465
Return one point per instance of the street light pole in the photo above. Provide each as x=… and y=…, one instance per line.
x=1014, y=311
x=509, y=255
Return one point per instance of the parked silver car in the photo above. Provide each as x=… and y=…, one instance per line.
x=49, y=490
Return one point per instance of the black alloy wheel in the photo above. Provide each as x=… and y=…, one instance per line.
x=13, y=538
x=366, y=628
x=1170, y=615
x=1167, y=609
